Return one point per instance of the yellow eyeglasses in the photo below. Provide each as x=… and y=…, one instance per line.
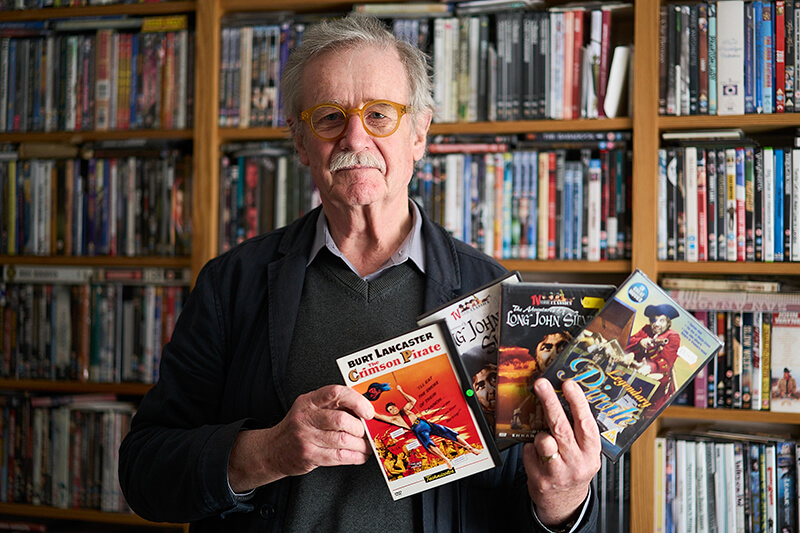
x=329, y=121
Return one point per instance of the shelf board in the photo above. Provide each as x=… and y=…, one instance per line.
x=728, y=267
x=74, y=387
x=78, y=137
x=730, y=415
x=484, y=128
x=98, y=260
x=230, y=6
x=227, y=135
x=145, y=9
x=81, y=515
x=749, y=123
x=530, y=126
x=593, y=267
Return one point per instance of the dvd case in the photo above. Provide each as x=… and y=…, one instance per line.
x=537, y=321
x=639, y=352
x=428, y=429
x=473, y=321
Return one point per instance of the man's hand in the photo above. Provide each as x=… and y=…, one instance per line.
x=321, y=429
x=561, y=464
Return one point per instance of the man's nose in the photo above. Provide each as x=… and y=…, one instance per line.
x=354, y=133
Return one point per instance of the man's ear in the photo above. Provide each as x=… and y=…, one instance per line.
x=299, y=141
x=420, y=135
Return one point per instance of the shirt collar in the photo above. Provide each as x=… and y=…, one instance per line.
x=411, y=248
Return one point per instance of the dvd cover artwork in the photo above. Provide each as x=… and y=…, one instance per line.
x=427, y=430
x=785, y=337
x=537, y=321
x=473, y=321
x=639, y=352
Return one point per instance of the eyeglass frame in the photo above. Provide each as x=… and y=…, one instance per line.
x=400, y=108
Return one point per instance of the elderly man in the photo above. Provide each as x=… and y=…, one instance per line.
x=247, y=429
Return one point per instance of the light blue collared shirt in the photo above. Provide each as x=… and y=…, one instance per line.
x=411, y=248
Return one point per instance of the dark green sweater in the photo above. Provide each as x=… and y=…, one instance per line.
x=339, y=314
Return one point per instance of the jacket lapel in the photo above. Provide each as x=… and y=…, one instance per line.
x=286, y=276
x=441, y=265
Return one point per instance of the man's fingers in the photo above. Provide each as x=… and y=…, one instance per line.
x=584, y=425
x=331, y=420
x=554, y=414
x=342, y=398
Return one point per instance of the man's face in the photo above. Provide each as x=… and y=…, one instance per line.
x=484, y=383
x=392, y=409
x=548, y=348
x=659, y=324
x=351, y=78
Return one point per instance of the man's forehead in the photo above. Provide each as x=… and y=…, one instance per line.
x=355, y=75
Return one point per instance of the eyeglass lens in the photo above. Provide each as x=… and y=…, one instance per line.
x=379, y=119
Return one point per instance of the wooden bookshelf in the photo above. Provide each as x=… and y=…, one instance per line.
x=88, y=519
x=208, y=137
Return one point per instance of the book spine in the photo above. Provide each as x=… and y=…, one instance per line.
x=730, y=208
x=552, y=203
x=795, y=207
x=761, y=378
x=711, y=210
x=117, y=78
x=789, y=56
x=605, y=58
x=767, y=44
x=593, y=218
x=769, y=206
x=796, y=44
x=702, y=66
x=766, y=351
x=770, y=469
x=673, y=58
x=577, y=46
x=730, y=46
x=758, y=205
x=691, y=200
x=712, y=58
x=740, y=205
x=103, y=74
x=747, y=359
x=786, y=486
x=750, y=58
x=556, y=99
x=700, y=385
x=779, y=203
x=684, y=79
x=788, y=193
x=693, y=71
x=780, y=57
x=662, y=205
x=663, y=25
x=671, y=185
x=749, y=204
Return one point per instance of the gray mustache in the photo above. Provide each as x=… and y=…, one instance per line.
x=350, y=159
